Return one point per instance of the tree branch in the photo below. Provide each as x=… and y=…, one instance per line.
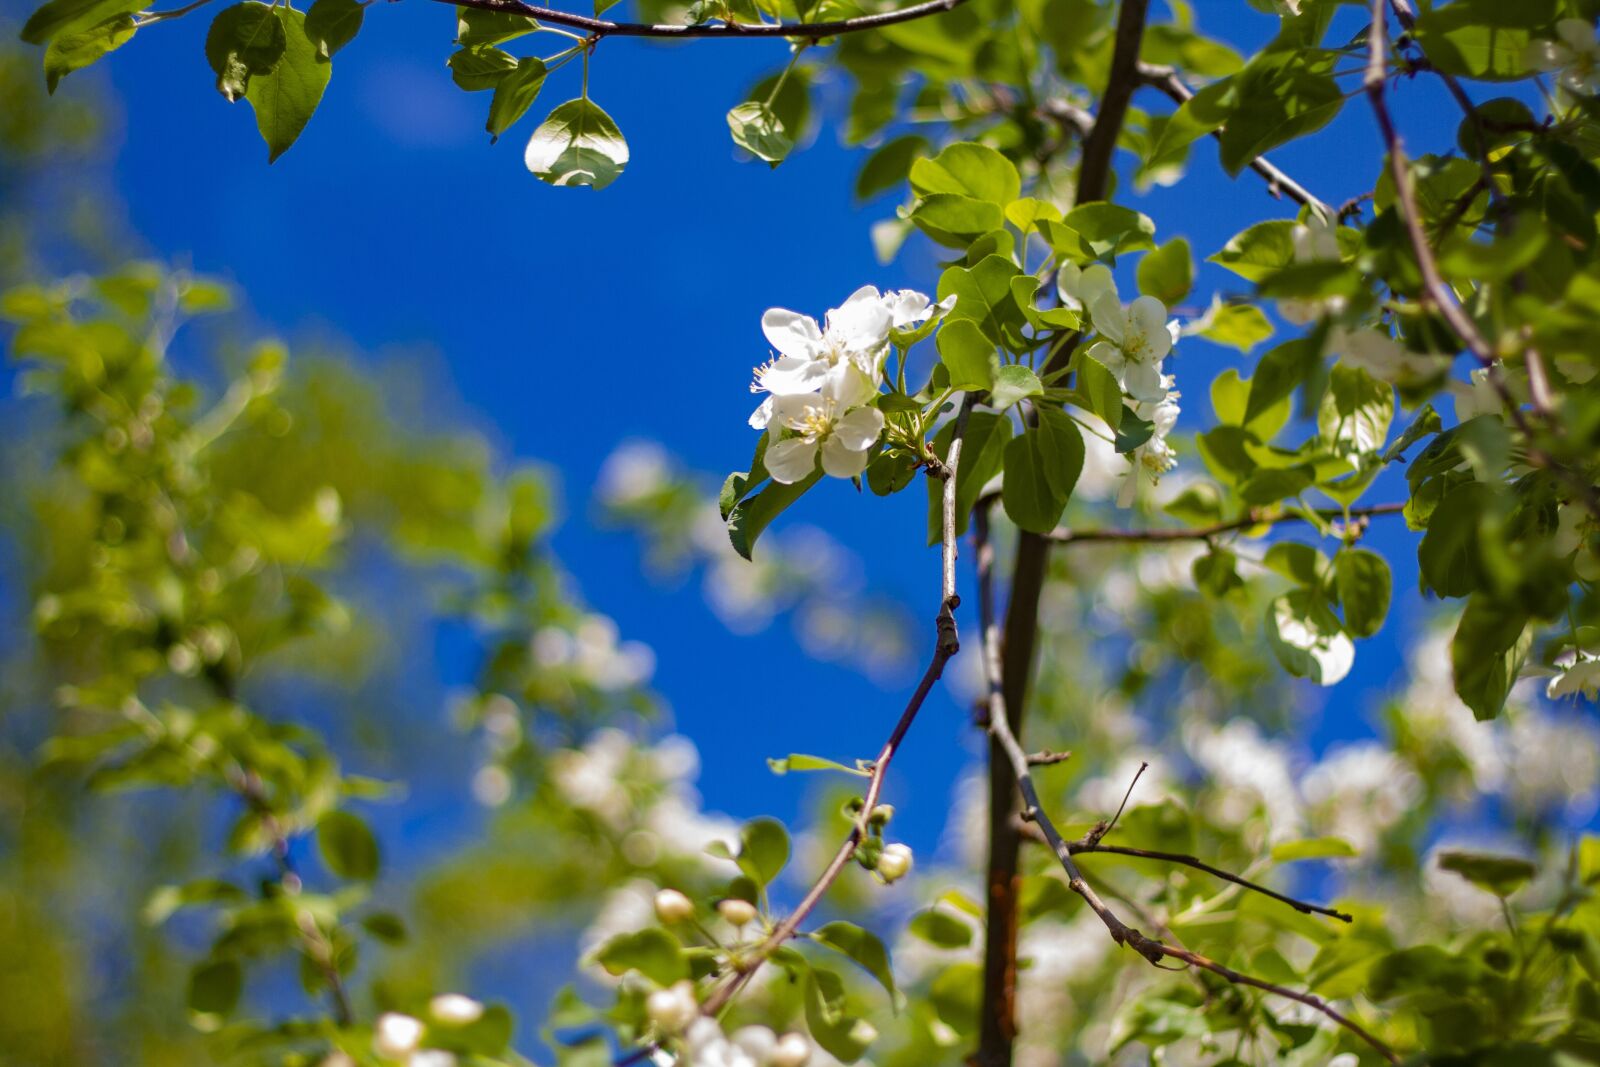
x=812, y=31
x=1436, y=292
x=946, y=645
x=1151, y=949
x=1166, y=80
x=997, y=1015
x=1206, y=533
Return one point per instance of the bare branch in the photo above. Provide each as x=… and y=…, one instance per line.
x=1100, y=830
x=1094, y=174
x=1206, y=533
x=946, y=646
x=811, y=31
x=1166, y=80
x=1046, y=758
x=1151, y=949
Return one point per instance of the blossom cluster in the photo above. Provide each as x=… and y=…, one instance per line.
x=1134, y=340
x=824, y=380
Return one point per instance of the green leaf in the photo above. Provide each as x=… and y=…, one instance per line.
x=750, y=517
x=982, y=453
x=1259, y=251
x=214, y=987
x=1427, y=421
x=1363, y=583
x=1111, y=229
x=1500, y=875
x=386, y=926
x=1101, y=393
x=514, y=93
x=60, y=17
x=1238, y=326
x=285, y=99
x=1012, y=383
x=652, y=952
x=1297, y=562
x=332, y=24
x=938, y=927
x=968, y=169
x=167, y=899
x=757, y=129
x=1284, y=95
x=953, y=219
x=889, y=165
x=1449, y=554
x=1488, y=650
x=1461, y=39
x=347, y=846
x=477, y=69
x=244, y=41
x=842, y=1036
x=77, y=49
x=1307, y=638
x=1312, y=848
x=1356, y=410
x=763, y=849
x=1026, y=493
x=577, y=145
x=796, y=761
x=864, y=947
x=1167, y=273
x=983, y=295
x=477, y=28
x=1282, y=370
x=967, y=355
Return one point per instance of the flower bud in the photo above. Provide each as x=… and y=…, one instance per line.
x=792, y=1050
x=895, y=862
x=736, y=911
x=453, y=1009
x=396, y=1036
x=881, y=815
x=673, y=907
x=672, y=1009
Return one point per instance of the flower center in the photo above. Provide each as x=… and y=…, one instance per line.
x=816, y=421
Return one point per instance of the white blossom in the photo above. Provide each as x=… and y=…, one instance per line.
x=894, y=863
x=829, y=423
x=846, y=354
x=1479, y=397
x=1134, y=341
x=455, y=1009
x=1382, y=356
x=1080, y=287
x=907, y=307
x=1359, y=790
x=673, y=1008
x=1575, y=53
x=635, y=471
x=396, y=1036
x=1580, y=675
x=1155, y=457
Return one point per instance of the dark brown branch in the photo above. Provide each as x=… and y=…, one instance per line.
x=1436, y=292
x=1151, y=949
x=811, y=31
x=1166, y=80
x=1014, y=664
x=1206, y=533
x=946, y=645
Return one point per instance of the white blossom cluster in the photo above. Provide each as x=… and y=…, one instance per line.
x=823, y=381
x=1575, y=52
x=398, y=1038
x=1133, y=342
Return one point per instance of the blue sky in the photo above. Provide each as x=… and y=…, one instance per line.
x=570, y=320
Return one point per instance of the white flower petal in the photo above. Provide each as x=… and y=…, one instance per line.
x=793, y=375
x=791, y=333
x=1147, y=318
x=1578, y=34
x=862, y=321
x=1142, y=381
x=1109, y=318
x=859, y=429
x=761, y=416
x=792, y=460
x=840, y=460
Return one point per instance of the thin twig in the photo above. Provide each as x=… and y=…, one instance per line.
x=1185, y=860
x=1166, y=80
x=810, y=31
x=947, y=645
x=1046, y=758
x=1151, y=949
x=1098, y=833
x=1206, y=533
